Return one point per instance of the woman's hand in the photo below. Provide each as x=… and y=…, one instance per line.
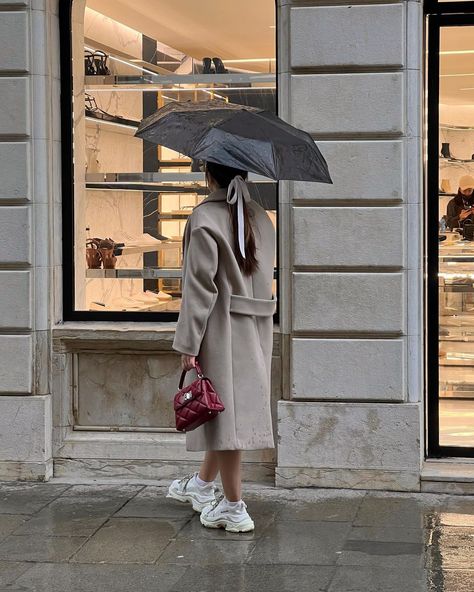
x=465, y=213
x=188, y=362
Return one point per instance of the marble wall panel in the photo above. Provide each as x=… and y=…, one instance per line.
x=15, y=171
x=25, y=428
x=110, y=151
x=114, y=215
x=349, y=435
x=127, y=390
x=364, y=44
x=108, y=32
x=346, y=104
x=360, y=170
x=349, y=302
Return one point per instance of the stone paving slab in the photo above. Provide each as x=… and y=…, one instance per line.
x=377, y=579
x=39, y=548
x=152, y=503
x=27, y=498
x=252, y=578
x=54, y=577
x=11, y=571
x=300, y=543
x=326, y=511
x=9, y=523
x=113, y=537
x=71, y=516
x=207, y=552
x=128, y=540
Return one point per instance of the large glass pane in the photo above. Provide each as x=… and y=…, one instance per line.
x=132, y=199
x=456, y=259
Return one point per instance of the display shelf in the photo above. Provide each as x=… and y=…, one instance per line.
x=455, y=160
x=148, y=273
x=113, y=120
x=162, y=177
x=163, y=82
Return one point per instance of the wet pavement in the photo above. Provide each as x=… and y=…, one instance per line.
x=62, y=537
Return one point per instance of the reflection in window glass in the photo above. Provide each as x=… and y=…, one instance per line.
x=456, y=212
x=132, y=199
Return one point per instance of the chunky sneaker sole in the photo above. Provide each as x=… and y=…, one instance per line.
x=244, y=526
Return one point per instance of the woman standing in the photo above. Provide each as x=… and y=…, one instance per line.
x=461, y=207
x=226, y=320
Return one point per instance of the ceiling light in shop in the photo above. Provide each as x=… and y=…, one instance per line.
x=457, y=52
x=249, y=60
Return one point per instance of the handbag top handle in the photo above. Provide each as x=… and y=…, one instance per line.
x=183, y=374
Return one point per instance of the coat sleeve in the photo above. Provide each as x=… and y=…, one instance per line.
x=199, y=291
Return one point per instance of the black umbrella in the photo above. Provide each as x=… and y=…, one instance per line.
x=237, y=136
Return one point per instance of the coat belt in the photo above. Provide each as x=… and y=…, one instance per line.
x=247, y=305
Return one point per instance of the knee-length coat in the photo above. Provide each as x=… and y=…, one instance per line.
x=226, y=320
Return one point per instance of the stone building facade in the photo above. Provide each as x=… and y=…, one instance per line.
x=348, y=386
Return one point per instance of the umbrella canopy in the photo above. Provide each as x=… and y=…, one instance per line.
x=237, y=136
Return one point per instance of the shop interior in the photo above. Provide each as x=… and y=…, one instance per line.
x=132, y=199
x=456, y=247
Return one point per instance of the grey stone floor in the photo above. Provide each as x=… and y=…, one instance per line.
x=86, y=537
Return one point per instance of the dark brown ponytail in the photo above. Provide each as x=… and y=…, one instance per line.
x=223, y=175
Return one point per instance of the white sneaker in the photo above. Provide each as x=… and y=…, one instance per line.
x=187, y=490
x=219, y=514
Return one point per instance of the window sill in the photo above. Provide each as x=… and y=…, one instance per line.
x=75, y=336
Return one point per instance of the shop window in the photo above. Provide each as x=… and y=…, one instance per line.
x=450, y=230
x=126, y=202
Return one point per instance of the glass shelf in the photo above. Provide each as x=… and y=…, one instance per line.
x=148, y=273
x=163, y=82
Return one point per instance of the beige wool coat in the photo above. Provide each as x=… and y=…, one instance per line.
x=226, y=320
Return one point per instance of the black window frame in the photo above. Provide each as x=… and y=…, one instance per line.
x=67, y=178
x=438, y=15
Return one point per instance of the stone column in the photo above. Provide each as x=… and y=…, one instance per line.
x=351, y=76
x=29, y=148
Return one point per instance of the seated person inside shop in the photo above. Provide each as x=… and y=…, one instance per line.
x=461, y=207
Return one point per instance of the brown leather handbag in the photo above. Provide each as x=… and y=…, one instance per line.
x=196, y=403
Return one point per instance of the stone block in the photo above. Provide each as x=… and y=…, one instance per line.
x=14, y=2
x=14, y=170
x=314, y=44
x=343, y=369
x=289, y=477
x=16, y=364
x=345, y=104
x=345, y=237
x=348, y=302
x=369, y=436
x=25, y=429
x=360, y=171
x=14, y=115
x=14, y=41
x=15, y=235
x=15, y=300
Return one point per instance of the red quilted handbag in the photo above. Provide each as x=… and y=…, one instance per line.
x=196, y=403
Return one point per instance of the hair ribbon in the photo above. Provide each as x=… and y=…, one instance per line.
x=238, y=191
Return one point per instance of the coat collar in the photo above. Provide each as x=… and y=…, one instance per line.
x=217, y=195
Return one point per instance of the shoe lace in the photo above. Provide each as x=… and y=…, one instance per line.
x=186, y=479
